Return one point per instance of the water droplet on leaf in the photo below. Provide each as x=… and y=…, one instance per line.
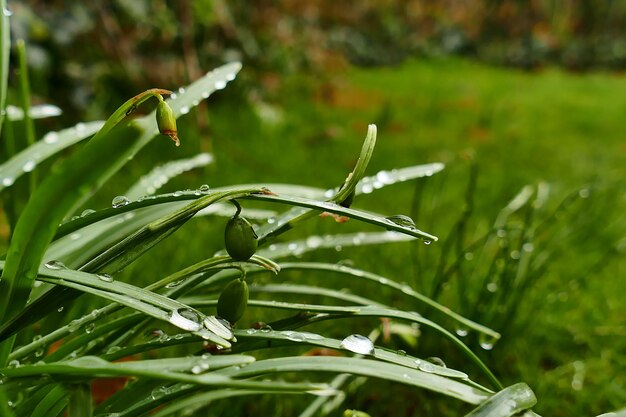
x=119, y=201
x=358, y=344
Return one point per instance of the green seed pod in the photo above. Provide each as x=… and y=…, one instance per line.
x=166, y=121
x=240, y=239
x=233, y=300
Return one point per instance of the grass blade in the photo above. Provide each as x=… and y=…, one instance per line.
x=506, y=403
x=51, y=144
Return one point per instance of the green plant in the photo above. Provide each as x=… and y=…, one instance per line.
x=74, y=254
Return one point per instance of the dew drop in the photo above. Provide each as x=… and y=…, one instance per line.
x=427, y=242
x=90, y=327
x=8, y=181
x=294, y=336
x=367, y=188
x=204, y=188
x=461, y=331
x=159, y=392
x=425, y=366
x=402, y=220
x=60, y=309
x=181, y=90
x=55, y=265
x=51, y=138
x=87, y=212
x=119, y=201
x=358, y=344
x=437, y=361
x=105, y=277
x=174, y=284
x=220, y=84
x=29, y=165
x=219, y=326
x=186, y=319
x=486, y=342
x=184, y=110
x=14, y=364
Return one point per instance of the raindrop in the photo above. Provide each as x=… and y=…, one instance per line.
x=204, y=188
x=205, y=94
x=73, y=326
x=437, y=361
x=427, y=242
x=90, y=327
x=250, y=331
x=358, y=344
x=51, y=138
x=384, y=177
x=461, y=331
x=469, y=256
x=186, y=319
x=174, y=284
x=266, y=328
x=113, y=349
x=87, y=212
x=294, y=336
x=220, y=84
x=8, y=181
x=119, y=201
x=13, y=364
x=219, y=326
x=7, y=12
x=492, y=287
x=314, y=241
x=184, y=110
x=55, y=265
x=367, y=188
x=159, y=392
x=584, y=193
x=80, y=127
x=402, y=220
x=29, y=165
x=486, y=342
x=105, y=277
x=338, y=248
x=195, y=103
x=401, y=352
x=230, y=76
x=425, y=366
x=528, y=247
x=75, y=236
x=181, y=90
x=60, y=309
x=311, y=336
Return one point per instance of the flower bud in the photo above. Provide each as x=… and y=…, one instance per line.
x=166, y=121
x=233, y=300
x=240, y=239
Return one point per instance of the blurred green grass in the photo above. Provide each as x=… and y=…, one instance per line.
x=520, y=127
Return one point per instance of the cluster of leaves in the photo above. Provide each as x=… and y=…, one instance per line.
x=56, y=255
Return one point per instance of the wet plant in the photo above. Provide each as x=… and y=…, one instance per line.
x=164, y=343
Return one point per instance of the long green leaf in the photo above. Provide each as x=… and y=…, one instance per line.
x=159, y=176
x=365, y=367
x=59, y=193
x=506, y=403
x=52, y=143
x=5, y=49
